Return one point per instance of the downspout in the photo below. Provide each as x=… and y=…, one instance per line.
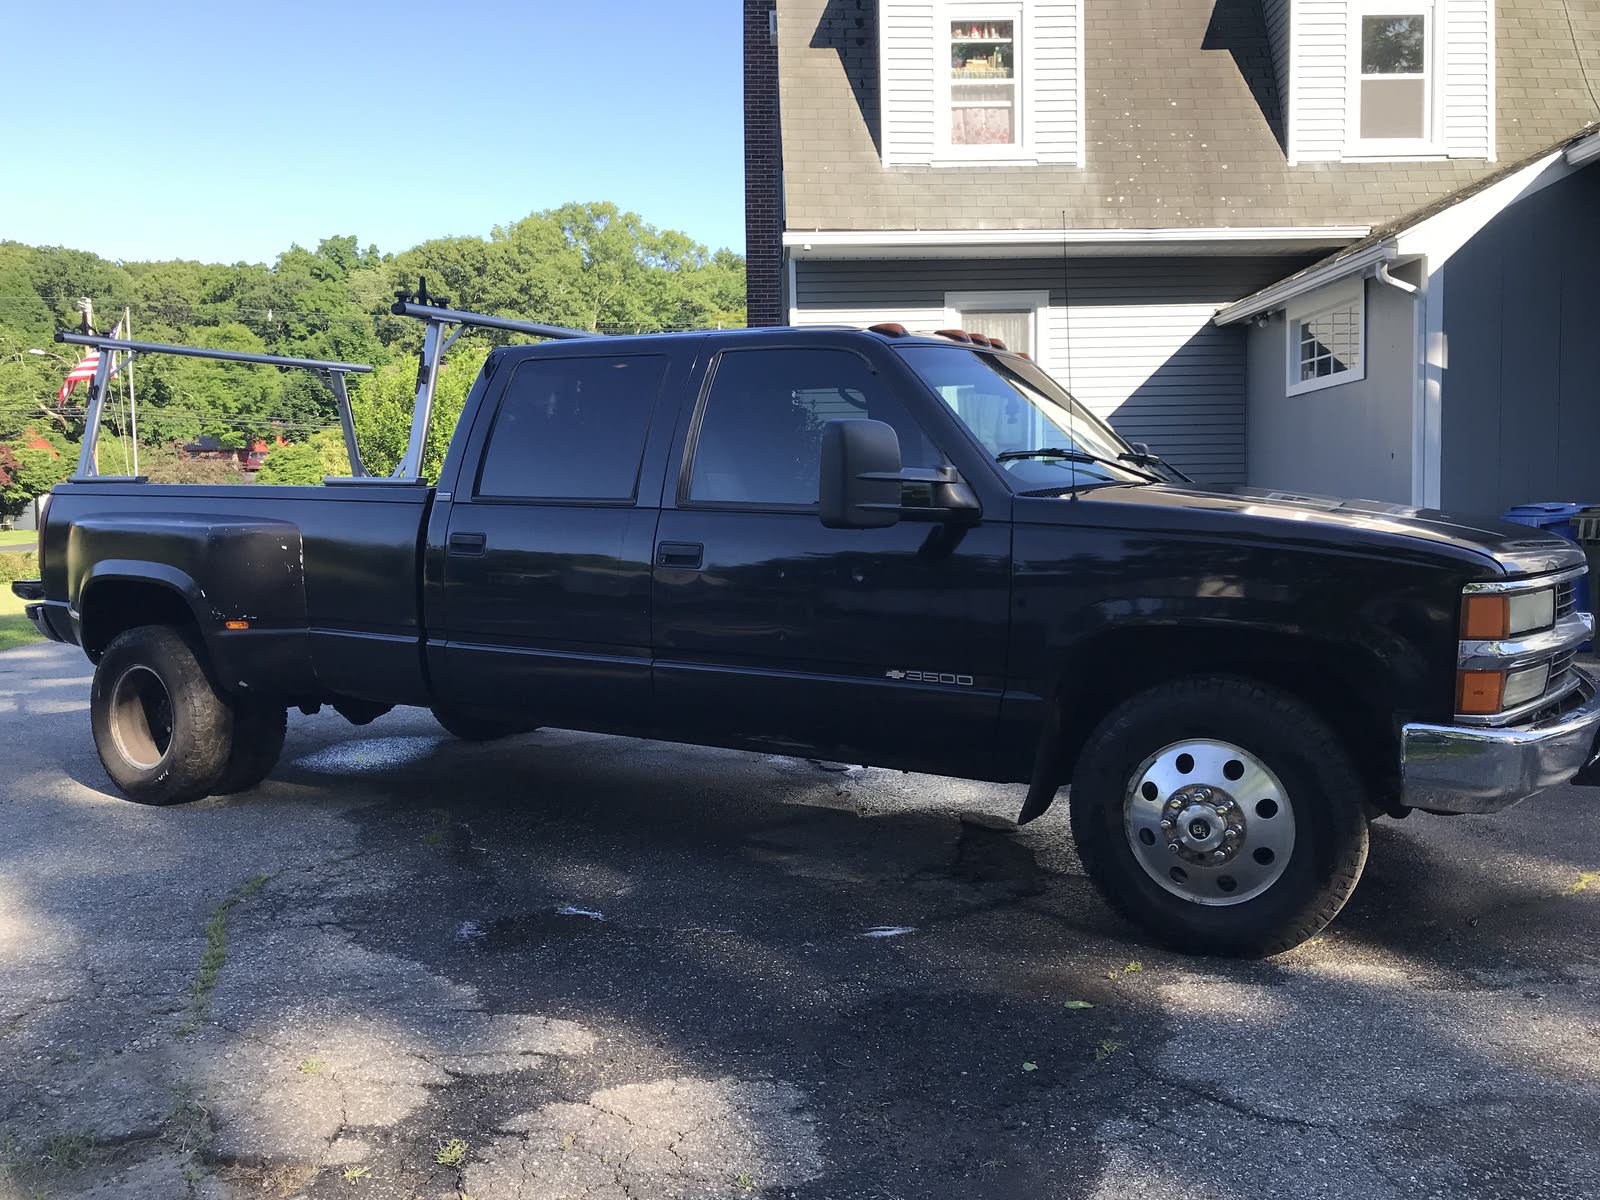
x=1382, y=275
x=1420, y=497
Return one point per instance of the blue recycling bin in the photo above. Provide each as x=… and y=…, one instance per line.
x=1559, y=517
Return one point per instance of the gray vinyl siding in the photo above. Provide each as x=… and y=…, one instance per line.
x=1136, y=343
x=1520, y=394
x=1353, y=439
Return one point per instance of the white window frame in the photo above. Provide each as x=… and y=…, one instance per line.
x=1035, y=303
x=1336, y=296
x=1431, y=144
x=946, y=152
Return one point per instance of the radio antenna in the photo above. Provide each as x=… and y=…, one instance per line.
x=1066, y=329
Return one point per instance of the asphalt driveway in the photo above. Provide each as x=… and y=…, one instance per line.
x=568, y=965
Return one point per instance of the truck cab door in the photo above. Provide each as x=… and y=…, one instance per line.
x=542, y=609
x=878, y=645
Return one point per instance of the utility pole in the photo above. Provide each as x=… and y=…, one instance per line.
x=86, y=307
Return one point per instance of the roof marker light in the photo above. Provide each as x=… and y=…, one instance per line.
x=955, y=335
x=889, y=329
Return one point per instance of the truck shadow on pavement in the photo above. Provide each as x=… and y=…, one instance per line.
x=609, y=967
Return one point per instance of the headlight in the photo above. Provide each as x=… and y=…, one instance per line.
x=1491, y=617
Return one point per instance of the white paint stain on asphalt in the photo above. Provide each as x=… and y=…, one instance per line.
x=889, y=931
x=568, y=910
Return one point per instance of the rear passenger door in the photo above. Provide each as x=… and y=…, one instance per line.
x=883, y=645
x=546, y=588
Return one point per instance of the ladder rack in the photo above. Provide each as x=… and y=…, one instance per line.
x=436, y=343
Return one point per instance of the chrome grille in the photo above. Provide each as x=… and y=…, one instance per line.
x=1559, y=666
x=1566, y=598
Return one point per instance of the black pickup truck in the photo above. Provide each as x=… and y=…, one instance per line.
x=911, y=551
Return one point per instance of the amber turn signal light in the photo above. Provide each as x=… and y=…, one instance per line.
x=236, y=625
x=1485, y=618
x=1481, y=693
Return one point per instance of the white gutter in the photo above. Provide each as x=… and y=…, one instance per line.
x=943, y=239
x=1361, y=263
x=1584, y=151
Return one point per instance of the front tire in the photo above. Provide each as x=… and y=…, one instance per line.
x=163, y=732
x=1221, y=815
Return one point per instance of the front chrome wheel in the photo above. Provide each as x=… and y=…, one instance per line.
x=1209, y=822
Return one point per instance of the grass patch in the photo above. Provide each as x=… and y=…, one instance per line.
x=452, y=1153
x=15, y=629
x=18, y=537
x=66, y=1151
x=215, y=956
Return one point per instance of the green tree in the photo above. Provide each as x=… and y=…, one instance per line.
x=26, y=472
x=298, y=463
x=590, y=265
x=382, y=408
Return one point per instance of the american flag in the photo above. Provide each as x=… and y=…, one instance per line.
x=84, y=371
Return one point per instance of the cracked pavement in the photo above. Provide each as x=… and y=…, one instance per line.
x=566, y=965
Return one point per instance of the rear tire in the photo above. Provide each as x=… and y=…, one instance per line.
x=164, y=734
x=1221, y=815
x=259, y=727
x=470, y=728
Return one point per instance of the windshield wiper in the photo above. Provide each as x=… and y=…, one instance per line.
x=1143, y=458
x=1081, y=456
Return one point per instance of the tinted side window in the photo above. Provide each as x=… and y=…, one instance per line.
x=572, y=428
x=760, y=436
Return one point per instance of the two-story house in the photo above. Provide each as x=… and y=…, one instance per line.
x=1095, y=180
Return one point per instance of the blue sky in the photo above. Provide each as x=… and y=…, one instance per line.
x=243, y=127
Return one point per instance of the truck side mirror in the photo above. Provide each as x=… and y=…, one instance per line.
x=860, y=476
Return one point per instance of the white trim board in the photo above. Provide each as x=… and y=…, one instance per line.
x=1034, y=243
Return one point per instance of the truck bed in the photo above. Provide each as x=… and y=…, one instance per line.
x=327, y=578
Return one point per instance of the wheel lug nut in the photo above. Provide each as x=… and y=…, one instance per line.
x=1174, y=847
x=1166, y=825
x=1219, y=856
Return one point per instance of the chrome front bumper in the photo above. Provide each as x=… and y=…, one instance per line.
x=1462, y=769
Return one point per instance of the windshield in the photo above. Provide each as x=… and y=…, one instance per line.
x=1012, y=406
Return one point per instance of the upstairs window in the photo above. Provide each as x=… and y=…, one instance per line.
x=1394, y=76
x=983, y=82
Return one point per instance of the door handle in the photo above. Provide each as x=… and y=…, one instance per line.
x=468, y=545
x=680, y=554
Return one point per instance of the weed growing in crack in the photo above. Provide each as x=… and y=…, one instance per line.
x=188, y=1125
x=309, y=1066
x=356, y=1174
x=441, y=828
x=1106, y=1048
x=452, y=1153
x=215, y=956
x=744, y=1182
x=66, y=1151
